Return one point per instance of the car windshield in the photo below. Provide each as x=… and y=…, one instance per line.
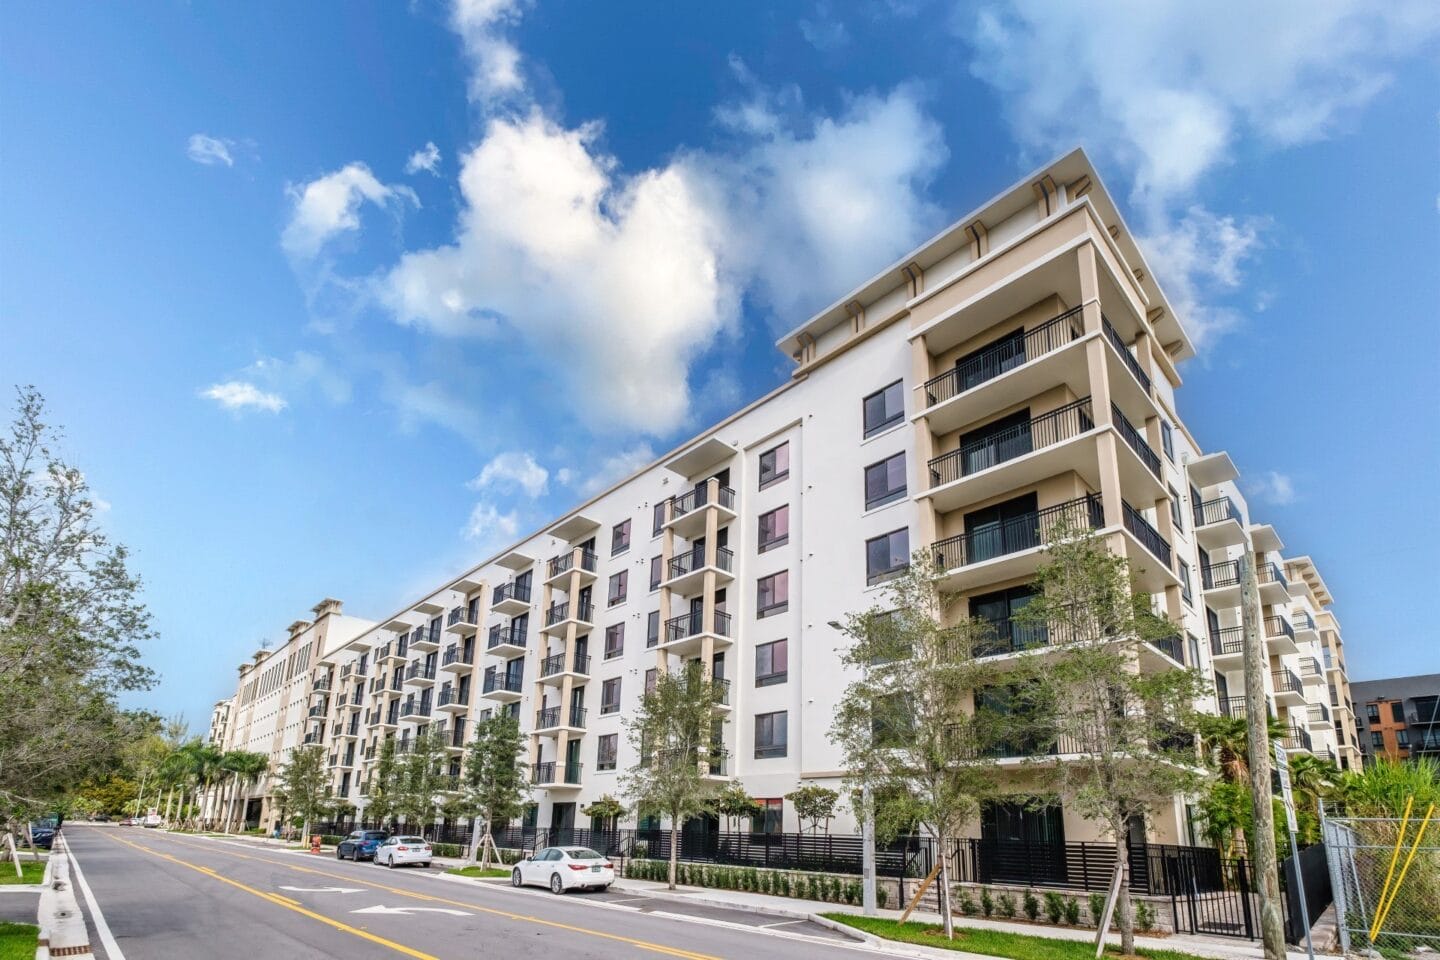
x=582, y=853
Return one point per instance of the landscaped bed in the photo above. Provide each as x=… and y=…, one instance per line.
x=18, y=940
x=992, y=943
x=492, y=872
x=32, y=871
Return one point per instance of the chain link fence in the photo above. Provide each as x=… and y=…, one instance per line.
x=1362, y=855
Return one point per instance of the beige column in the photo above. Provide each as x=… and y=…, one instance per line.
x=920, y=369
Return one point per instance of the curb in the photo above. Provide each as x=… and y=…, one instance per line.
x=62, y=924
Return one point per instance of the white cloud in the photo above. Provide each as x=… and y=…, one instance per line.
x=494, y=60
x=565, y=476
x=302, y=371
x=209, y=150
x=1271, y=487
x=330, y=205
x=427, y=158
x=489, y=527
x=238, y=395
x=1198, y=258
x=510, y=471
x=617, y=466
x=823, y=31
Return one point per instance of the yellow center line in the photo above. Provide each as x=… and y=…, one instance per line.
x=401, y=891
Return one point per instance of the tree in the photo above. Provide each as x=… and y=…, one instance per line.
x=1226, y=811
x=245, y=769
x=71, y=623
x=907, y=724
x=1127, y=726
x=385, y=783
x=110, y=794
x=735, y=804
x=419, y=780
x=813, y=804
x=305, y=783
x=605, y=813
x=674, y=735
x=494, y=781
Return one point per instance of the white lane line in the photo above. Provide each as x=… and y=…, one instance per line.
x=782, y=923
x=112, y=949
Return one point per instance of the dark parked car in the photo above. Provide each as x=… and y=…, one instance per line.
x=42, y=833
x=360, y=845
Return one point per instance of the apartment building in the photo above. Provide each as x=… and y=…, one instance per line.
x=1399, y=718
x=269, y=711
x=1018, y=369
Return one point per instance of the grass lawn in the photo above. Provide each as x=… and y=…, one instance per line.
x=18, y=940
x=32, y=872
x=477, y=872
x=992, y=943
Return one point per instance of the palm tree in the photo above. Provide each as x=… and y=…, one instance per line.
x=244, y=768
x=1226, y=740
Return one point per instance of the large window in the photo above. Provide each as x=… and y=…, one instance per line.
x=771, y=818
x=614, y=640
x=1372, y=712
x=1185, y=581
x=1175, y=515
x=1397, y=711
x=772, y=663
x=650, y=680
x=619, y=584
x=1167, y=440
x=772, y=738
x=774, y=528
x=886, y=555
x=605, y=752
x=620, y=537
x=659, y=519
x=652, y=628
x=610, y=696
x=885, y=481
x=657, y=567
x=772, y=594
x=884, y=408
x=774, y=465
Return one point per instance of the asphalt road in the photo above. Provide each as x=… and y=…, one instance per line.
x=167, y=896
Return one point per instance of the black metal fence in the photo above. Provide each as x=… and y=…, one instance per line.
x=1314, y=869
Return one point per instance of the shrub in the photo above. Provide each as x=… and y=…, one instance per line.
x=752, y=878
x=1032, y=905
x=1144, y=916
x=853, y=893
x=1054, y=906
x=1097, y=908
x=1007, y=905
x=784, y=884
x=987, y=902
x=883, y=895
x=966, y=903
x=1072, y=911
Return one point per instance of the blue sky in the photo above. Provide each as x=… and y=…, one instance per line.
x=332, y=298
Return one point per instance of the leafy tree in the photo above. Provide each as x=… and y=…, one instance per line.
x=814, y=804
x=305, y=784
x=674, y=735
x=110, y=793
x=71, y=623
x=420, y=779
x=605, y=813
x=735, y=804
x=1127, y=726
x=494, y=781
x=906, y=722
x=385, y=783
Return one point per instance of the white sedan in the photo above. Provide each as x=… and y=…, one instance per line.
x=396, y=851
x=564, y=868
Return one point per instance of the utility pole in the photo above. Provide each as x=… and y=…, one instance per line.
x=867, y=868
x=1257, y=712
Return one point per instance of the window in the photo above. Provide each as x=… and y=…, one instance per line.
x=771, y=735
x=1185, y=581
x=657, y=565
x=659, y=519
x=1175, y=514
x=618, y=585
x=885, y=481
x=772, y=661
x=650, y=680
x=620, y=537
x=610, y=696
x=774, y=465
x=884, y=408
x=771, y=816
x=775, y=528
x=1372, y=712
x=1397, y=711
x=614, y=640
x=1377, y=739
x=652, y=628
x=1167, y=439
x=886, y=555
x=605, y=750
x=1194, y=649
x=1402, y=738
x=773, y=594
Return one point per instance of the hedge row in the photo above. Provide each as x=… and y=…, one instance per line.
x=803, y=886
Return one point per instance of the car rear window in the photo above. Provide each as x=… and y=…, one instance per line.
x=375, y=835
x=412, y=840
x=582, y=853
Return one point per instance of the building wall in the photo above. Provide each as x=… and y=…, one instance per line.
x=1403, y=713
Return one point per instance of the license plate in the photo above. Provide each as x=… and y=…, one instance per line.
x=595, y=869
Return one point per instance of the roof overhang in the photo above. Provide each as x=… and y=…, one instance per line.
x=1211, y=469
x=574, y=527
x=515, y=560
x=1265, y=539
x=701, y=456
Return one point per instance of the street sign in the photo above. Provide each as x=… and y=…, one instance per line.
x=1282, y=767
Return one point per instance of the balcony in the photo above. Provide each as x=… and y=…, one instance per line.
x=1221, y=583
x=457, y=659
x=1319, y=715
x=554, y=719
x=316, y=712
x=321, y=684
x=450, y=701
x=1304, y=624
x=505, y=641
x=720, y=694
x=1218, y=524
x=1279, y=637
x=1131, y=364
x=1150, y=539
x=424, y=640
x=1289, y=690
x=420, y=675
x=1010, y=550
x=1135, y=442
x=685, y=635
x=389, y=721
x=686, y=572
x=553, y=669
x=1296, y=738
x=461, y=622
x=1310, y=670
x=1227, y=648
x=414, y=710
x=391, y=652
x=504, y=687
x=1274, y=588
x=561, y=615
x=545, y=775
x=574, y=560
x=511, y=599
x=1233, y=707
x=687, y=511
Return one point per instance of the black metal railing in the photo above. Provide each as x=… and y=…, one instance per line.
x=544, y=773
x=448, y=695
x=1285, y=681
x=1172, y=646
x=1319, y=713
x=1006, y=355
x=1215, y=576
x=1043, y=431
x=1131, y=363
x=692, y=624
x=547, y=718
x=577, y=717
x=1310, y=667
x=1216, y=511
x=693, y=559
x=1024, y=532
x=460, y=615
x=1134, y=441
x=560, y=612
x=454, y=654
x=1148, y=536
x=1269, y=572
x=511, y=591
x=1277, y=626
x=720, y=690
x=1233, y=707
x=700, y=497
x=504, y=682
x=1010, y=636
x=420, y=671
x=1227, y=641
x=1296, y=738
x=565, y=562
x=506, y=635
x=415, y=708
x=1303, y=621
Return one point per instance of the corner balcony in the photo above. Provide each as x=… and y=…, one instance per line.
x=457, y=660
x=553, y=776
x=1289, y=691
x=552, y=720
x=1227, y=648
x=1010, y=550
x=688, y=510
x=582, y=563
x=1218, y=524
x=560, y=616
x=1152, y=565
x=502, y=687
x=423, y=640
x=554, y=669
x=1279, y=638
x=450, y=701
x=686, y=572
x=419, y=675
x=1274, y=588
x=686, y=634
x=511, y=599
x=505, y=640
x=461, y=622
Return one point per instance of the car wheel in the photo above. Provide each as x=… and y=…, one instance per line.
x=426, y=864
x=339, y=854
x=390, y=863
x=515, y=880
x=556, y=887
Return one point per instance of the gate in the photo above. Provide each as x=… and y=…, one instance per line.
x=1208, y=894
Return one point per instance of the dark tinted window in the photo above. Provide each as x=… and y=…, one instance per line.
x=774, y=465
x=884, y=408
x=887, y=555
x=885, y=481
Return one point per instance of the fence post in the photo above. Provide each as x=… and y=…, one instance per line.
x=1244, y=882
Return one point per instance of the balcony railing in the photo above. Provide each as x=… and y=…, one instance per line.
x=1134, y=441
x=1131, y=363
x=454, y=654
x=1276, y=626
x=508, y=635
x=1215, y=576
x=420, y=671
x=547, y=719
x=565, y=562
x=720, y=690
x=1024, y=532
x=1310, y=667
x=1303, y=621
x=1270, y=573
x=692, y=624
x=577, y=717
x=555, y=663
x=560, y=612
x=544, y=773
x=1043, y=431
x=509, y=683
x=1216, y=511
x=448, y=696
x=1010, y=636
x=1319, y=713
x=693, y=559
x=1227, y=641
x=1148, y=536
x=316, y=712
x=1233, y=706
x=1285, y=681
x=1172, y=646
x=699, y=497
x=460, y=615
x=415, y=708
x=511, y=591
x=1296, y=738
x=1004, y=356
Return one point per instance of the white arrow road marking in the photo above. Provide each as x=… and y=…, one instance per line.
x=325, y=889
x=378, y=908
